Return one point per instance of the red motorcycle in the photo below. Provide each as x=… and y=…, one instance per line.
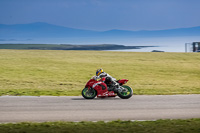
x=95, y=88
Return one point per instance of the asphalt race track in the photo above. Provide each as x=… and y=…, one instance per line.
x=76, y=108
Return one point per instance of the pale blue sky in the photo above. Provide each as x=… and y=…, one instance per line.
x=103, y=15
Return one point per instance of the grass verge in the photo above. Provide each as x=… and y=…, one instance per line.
x=46, y=72
x=159, y=126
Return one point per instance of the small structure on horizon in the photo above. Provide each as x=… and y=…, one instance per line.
x=196, y=47
x=193, y=47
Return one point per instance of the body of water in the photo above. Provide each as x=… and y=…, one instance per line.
x=166, y=44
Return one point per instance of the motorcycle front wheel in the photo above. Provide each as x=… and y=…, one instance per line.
x=89, y=93
x=125, y=93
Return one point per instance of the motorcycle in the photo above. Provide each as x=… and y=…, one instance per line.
x=100, y=89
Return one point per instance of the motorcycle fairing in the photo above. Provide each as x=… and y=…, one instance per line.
x=102, y=90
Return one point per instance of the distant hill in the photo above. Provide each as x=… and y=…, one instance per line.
x=40, y=30
x=45, y=30
x=69, y=47
x=193, y=31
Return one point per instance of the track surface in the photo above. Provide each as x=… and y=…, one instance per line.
x=74, y=108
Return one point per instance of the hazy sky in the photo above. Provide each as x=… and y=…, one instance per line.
x=103, y=14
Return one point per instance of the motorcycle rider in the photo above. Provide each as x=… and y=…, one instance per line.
x=109, y=80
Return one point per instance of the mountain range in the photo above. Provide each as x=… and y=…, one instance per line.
x=45, y=30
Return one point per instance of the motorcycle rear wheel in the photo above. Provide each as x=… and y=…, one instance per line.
x=125, y=94
x=89, y=93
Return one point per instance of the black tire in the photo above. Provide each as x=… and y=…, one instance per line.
x=89, y=93
x=127, y=94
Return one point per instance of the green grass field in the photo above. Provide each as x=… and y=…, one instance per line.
x=46, y=72
x=159, y=126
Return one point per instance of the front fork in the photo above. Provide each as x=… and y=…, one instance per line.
x=89, y=89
